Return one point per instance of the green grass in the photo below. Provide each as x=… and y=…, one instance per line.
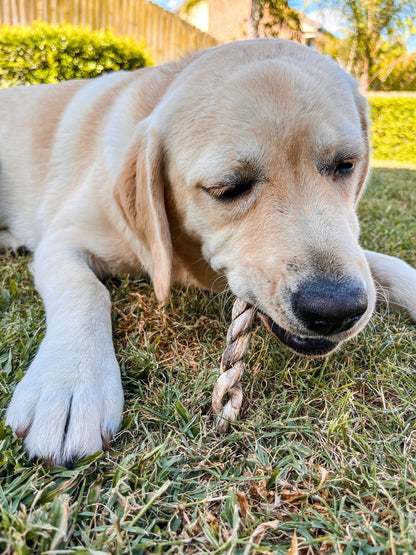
x=324, y=451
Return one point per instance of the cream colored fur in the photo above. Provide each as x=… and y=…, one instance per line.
x=120, y=173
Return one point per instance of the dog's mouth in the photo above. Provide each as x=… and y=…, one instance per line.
x=308, y=346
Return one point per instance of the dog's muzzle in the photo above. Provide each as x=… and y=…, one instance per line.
x=325, y=309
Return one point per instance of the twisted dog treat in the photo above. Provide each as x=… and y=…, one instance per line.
x=232, y=365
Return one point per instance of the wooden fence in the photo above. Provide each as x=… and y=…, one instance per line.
x=167, y=36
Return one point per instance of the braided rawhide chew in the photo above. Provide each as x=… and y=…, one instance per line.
x=232, y=365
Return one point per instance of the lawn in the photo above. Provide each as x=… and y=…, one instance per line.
x=324, y=456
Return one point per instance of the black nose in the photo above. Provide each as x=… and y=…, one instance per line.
x=328, y=307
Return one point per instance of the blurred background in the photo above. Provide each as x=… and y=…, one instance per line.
x=372, y=39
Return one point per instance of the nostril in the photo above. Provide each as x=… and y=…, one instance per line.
x=328, y=307
x=348, y=322
x=320, y=325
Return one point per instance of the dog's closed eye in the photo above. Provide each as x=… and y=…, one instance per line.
x=238, y=183
x=231, y=189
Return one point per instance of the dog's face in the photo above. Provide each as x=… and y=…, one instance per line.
x=265, y=167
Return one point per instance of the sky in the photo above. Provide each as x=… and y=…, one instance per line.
x=331, y=20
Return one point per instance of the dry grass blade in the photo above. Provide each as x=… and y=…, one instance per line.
x=259, y=532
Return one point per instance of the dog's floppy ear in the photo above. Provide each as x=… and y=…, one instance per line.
x=139, y=191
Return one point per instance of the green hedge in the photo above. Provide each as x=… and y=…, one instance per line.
x=393, y=130
x=43, y=53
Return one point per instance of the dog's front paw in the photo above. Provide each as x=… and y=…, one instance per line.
x=67, y=406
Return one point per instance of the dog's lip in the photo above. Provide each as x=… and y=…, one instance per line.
x=308, y=346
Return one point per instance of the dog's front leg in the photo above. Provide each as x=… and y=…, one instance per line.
x=395, y=281
x=69, y=403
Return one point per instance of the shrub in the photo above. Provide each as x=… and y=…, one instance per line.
x=393, y=128
x=43, y=53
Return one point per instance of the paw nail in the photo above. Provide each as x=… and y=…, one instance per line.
x=22, y=432
x=107, y=437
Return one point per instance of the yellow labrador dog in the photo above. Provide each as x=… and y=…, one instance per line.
x=244, y=162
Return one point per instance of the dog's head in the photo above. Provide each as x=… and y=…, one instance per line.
x=260, y=151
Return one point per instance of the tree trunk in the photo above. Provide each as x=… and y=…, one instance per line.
x=365, y=77
x=253, y=22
